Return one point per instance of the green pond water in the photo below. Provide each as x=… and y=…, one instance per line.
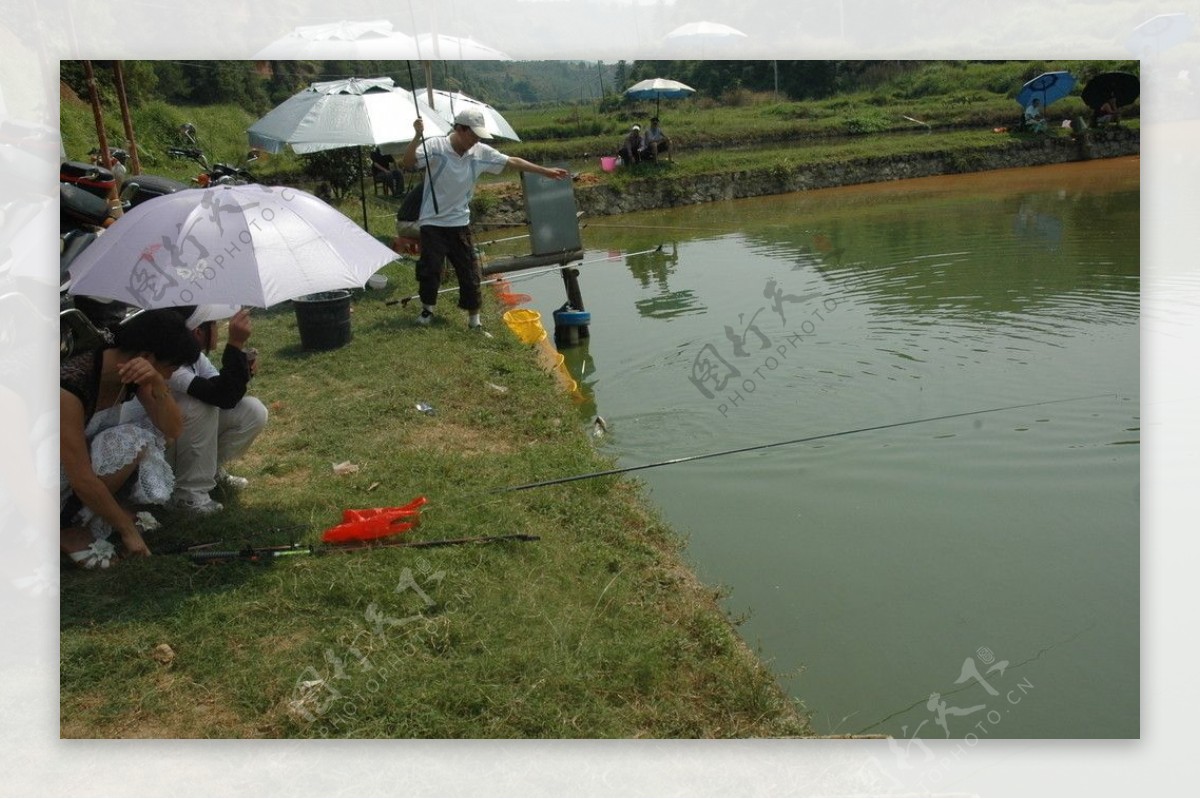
x=970, y=576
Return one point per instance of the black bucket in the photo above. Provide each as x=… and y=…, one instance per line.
x=324, y=320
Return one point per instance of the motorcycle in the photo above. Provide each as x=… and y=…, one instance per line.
x=216, y=174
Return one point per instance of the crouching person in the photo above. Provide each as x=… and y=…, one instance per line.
x=220, y=421
x=110, y=463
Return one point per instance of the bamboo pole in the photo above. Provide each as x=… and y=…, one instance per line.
x=105, y=158
x=135, y=166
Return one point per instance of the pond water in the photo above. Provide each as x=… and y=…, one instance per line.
x=973, y=575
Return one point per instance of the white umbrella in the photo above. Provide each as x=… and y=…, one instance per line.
x=362, y=112
x=705, y=30
x=1160, y=33
x=447, y=104
x=703, y=38
x=342, y=41
x=440, y=47
x=227, y=245
x=657, y=89
x=343, y=113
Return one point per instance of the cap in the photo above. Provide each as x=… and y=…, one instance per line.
x=636, y=127
x=210, y=313
x=473, y=119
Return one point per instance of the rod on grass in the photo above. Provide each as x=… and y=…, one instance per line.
x=269, y=554
x=403, y=301
x=804, y=440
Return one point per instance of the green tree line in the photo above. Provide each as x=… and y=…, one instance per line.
x=258, y=86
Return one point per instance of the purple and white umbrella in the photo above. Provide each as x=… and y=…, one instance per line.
x=227, y=245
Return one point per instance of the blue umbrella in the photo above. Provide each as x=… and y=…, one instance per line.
x=1047, y=87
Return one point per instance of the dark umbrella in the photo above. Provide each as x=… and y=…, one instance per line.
x=1048, y=87
x=1122, y=85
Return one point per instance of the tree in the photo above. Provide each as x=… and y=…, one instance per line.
x=338, y=169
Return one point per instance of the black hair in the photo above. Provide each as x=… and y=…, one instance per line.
x=162, y=333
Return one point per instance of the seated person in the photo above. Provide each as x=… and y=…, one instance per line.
x=1108, y=112
x=220, y=421
x=631, y=146
x=1033, y=116
x=656, y=142
x=108, y=460
x=385, y=169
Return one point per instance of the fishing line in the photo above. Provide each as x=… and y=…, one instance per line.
x=658, y=227
x=503, y=278
x=804, y=440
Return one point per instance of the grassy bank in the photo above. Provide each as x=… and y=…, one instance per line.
x=595, y=630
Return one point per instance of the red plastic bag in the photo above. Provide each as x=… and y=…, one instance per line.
x=372, y=523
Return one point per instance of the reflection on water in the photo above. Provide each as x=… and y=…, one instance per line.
x=881, y=563
x=652, y=270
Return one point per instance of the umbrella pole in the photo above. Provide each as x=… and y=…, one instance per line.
x=362, y=188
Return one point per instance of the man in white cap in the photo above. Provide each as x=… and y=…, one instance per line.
x=631, y=146
x=220, y=421
x=453, y=163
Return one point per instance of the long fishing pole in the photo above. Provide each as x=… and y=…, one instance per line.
x=428, y=168
x=270, y=554
x=406, y=300
x=804, y=440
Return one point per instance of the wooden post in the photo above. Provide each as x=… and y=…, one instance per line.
x=135, y=166
x=114, y=196
x=570, y=277
x=105, y=158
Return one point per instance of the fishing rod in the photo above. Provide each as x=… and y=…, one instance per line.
x=428, y=168
x=506, y=238
x=523, y=235
x=406, y=300
x=268, y=555
x=804, y=440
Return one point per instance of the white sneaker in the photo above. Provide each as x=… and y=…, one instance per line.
x=232, y=480
x=201, y=507
x=478, y=328
x=426, y=317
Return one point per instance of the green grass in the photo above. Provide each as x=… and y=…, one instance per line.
x=595, y=630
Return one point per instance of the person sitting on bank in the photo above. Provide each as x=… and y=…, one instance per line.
x=1034, y=120
x=1108, y=113
x=656, y=142
x=220, y=421
x=631, y=146
x=384, y=169
x=109, y=461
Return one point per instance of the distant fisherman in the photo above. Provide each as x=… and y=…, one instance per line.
x=454, y=163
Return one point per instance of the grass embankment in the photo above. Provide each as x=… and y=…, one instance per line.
x=595, y=630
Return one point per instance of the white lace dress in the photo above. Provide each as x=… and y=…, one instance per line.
x=114, y=442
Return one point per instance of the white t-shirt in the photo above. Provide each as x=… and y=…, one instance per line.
x=182, y=377
x=453, y=178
